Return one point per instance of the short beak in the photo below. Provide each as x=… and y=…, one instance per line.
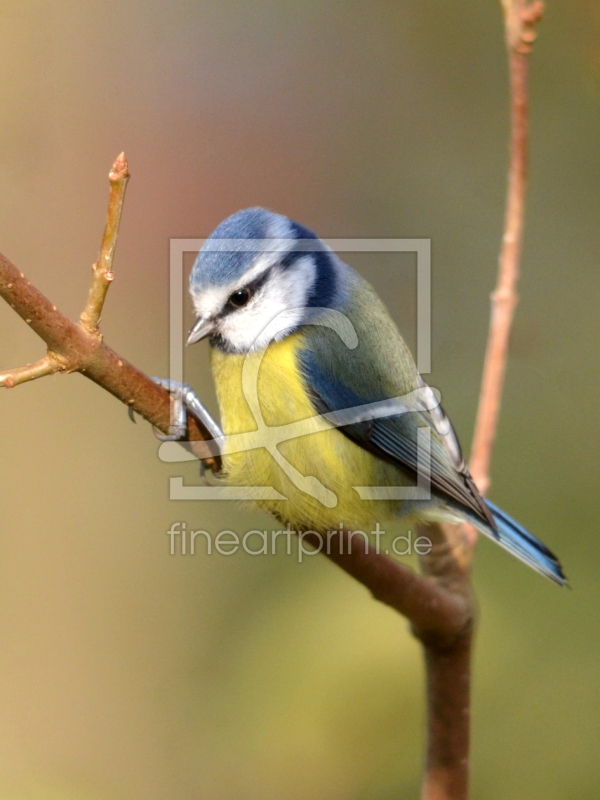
x=202, y=328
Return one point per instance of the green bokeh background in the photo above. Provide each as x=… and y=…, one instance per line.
x=129, y=674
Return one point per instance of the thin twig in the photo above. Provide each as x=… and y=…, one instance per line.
x=448, y=671
x=520, y=21
x=102, y=271
x=30, y=372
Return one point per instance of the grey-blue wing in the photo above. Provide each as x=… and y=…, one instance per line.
x=394, y=438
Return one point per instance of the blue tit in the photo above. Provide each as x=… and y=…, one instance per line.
x=279, y=306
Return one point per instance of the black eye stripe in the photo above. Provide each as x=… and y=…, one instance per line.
x=259, y=282
x=251, y=288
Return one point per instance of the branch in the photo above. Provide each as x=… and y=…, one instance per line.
x=441, y=611
x=438, y=607
x=75, y=348
x=448, y=672
x=39, y=369
x=520, y=21
x=102, y=270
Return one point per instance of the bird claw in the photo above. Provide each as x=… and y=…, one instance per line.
x=178, y=428
x=185, y=400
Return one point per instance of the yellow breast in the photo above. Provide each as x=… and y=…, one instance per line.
x=316, y=472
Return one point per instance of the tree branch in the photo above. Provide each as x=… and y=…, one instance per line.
x=438, y=610
x=75, y=348
x=448, y=670
x=39, y=369
x=520, y=21
x=102, y=270
x=441, y=609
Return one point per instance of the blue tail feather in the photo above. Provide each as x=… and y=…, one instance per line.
x=518, y=541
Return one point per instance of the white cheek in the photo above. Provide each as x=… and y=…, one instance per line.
x=254, y=328
x=279, y=307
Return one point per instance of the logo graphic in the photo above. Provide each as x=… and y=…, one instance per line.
x=270, y=437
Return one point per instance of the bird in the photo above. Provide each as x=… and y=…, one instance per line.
x=322, y=351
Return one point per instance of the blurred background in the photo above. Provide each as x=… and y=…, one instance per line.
x=130, y=674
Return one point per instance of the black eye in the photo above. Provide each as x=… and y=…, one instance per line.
x=240, y=298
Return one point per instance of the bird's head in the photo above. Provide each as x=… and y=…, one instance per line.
x=259, y=277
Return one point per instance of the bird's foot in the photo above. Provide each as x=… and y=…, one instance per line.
x=185, y=400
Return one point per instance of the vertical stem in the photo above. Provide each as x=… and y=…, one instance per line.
x=448, y=675
x=448, y=717
x=448, y=666
x=504, y=298
x=102, y=274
